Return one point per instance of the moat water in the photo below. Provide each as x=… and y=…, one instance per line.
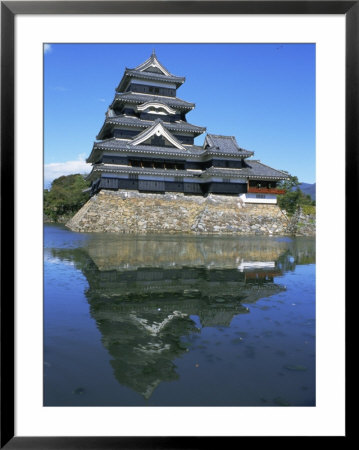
x=178, y=320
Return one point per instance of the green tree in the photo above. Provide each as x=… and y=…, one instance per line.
x=66, y=196
x=294, y=198
x=289, y=184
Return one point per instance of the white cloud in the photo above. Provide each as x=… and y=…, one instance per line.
x=56, y=170
x=47, y=48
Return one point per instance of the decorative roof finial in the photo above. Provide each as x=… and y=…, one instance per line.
x=153, y=53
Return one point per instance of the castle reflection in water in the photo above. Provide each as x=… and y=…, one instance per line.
x=143, y=292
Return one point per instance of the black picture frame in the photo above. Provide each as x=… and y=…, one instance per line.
x=9, y=9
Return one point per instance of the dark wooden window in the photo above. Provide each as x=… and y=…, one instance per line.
x=155, y=186
x=262, y=184
x=142, y=88
x=125, y=133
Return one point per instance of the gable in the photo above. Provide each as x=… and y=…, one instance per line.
x=157, y=134
x=156, y=108
x=158, y=141
x=153, y=65
x=153, y=69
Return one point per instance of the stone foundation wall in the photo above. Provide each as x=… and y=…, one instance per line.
x=133, y=212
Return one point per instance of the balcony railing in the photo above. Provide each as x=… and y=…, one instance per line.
x=264, y=190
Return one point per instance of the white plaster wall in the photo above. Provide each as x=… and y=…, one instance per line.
x=251, y=198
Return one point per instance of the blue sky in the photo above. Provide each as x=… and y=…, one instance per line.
x=263, y=94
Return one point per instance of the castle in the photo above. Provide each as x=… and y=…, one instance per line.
x=147, y=145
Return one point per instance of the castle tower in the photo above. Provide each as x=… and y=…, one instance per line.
x=147, y=145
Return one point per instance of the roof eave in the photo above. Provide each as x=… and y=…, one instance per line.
x=265, y=177
x=178, y=81
x=188, y=107
x=197, y=131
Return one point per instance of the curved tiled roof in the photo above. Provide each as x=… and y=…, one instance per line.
x=151, y=69
x=124, y=146
x=134, y=97
x=254, y=170
x=178, y=81
x=111, y=168
x=121, y=144
x=153, y=63
x=138, y=123
x=157, y=128
x=224, y=144
x=216, y=151
x=257, y=170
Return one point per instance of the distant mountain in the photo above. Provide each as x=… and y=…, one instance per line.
x=308, y=189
